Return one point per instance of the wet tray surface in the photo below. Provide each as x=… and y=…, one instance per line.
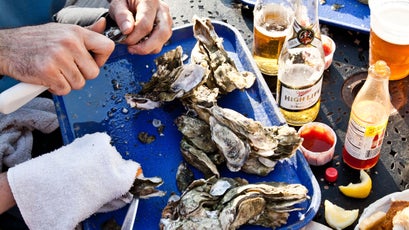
x=101, y=106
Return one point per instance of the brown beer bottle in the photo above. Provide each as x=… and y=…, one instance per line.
x=368, y=120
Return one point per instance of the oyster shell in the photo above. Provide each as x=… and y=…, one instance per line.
x=196, y=131
x=198, y=159
x=184, y=176
x=234, y=150
x=210, y=53
x=145, y=187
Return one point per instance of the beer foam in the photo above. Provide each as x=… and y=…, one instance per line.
x=389, y=20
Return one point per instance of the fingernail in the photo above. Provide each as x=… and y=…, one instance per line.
x=126, y=26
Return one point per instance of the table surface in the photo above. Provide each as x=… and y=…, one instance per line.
x=349, y=68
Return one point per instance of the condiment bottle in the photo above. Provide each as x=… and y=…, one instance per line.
x=368, y=120
x=301, y=64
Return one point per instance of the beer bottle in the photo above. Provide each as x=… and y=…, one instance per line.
x=301, y=64
x=272, y=24
x=368, y=120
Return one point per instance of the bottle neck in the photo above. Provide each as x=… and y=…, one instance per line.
x=378, y=81
x=306, y=31
x=375, y=88
x=306, y=12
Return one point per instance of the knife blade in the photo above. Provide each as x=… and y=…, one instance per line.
x=130, y=215
x=112, y=30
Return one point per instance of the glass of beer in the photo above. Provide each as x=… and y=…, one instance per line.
x=389, y=35
x=272, y=23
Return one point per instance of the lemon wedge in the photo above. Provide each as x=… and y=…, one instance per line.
x=358, y=190
x=337, y=217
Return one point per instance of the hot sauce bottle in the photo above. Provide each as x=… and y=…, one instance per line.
x=368, y=120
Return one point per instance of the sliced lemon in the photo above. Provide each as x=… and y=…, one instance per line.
x=337, y=217
x=358, y=190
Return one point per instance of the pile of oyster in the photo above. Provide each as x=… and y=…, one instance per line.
x=213, y=135
x=221, y=135
x=226, y=203
x=211, y=72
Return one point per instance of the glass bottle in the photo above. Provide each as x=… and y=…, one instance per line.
x=273, y=21
x=368, y=120
x=301, y=64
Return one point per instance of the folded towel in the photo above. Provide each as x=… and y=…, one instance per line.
x=16, y=138
x=60, y=189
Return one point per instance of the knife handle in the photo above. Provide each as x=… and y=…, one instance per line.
x=18, y=95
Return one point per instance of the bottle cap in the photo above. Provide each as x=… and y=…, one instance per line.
x=331, y=174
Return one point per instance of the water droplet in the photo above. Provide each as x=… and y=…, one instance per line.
x=115, y=84
x=110, y=114
x=156, y=123
x=119, y=100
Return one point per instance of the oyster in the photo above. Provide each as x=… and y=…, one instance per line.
x=226, y=203
x=145, y=187
x=171, y=80
x=197, y=131
x=197, y=147
x=184, y=176
x=210, y=53
x=198, y=159
x=234, y=149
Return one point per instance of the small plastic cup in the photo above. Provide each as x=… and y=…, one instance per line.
x=329, y=49
x=318, y=144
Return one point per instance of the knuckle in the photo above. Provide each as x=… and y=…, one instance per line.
x=93, y=73
x=60, y=89
x=145, y=28
x=78, y=84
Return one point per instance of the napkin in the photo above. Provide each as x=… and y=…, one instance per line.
x=60, y=189
x=83, y=16
x=16, y=138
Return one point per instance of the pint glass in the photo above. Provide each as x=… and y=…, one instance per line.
x=389, y=35
x=272, y=23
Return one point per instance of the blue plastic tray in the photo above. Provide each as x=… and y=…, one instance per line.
x=353, y=15
x=100, y=106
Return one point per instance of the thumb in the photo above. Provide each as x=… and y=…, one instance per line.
x=98, y=26
x=123, y=17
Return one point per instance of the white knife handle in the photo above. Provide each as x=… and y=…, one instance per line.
x=18, y=95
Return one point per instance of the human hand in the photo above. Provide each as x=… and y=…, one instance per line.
x=147, y=23
x=59, y=56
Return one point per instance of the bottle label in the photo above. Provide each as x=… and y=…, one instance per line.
x=304, y=36
x=299, y=99
x=364, y=142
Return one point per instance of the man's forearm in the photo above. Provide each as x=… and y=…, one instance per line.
x=6, y=197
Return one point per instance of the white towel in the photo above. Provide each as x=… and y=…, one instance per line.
x=60, y=189
x=16, y=138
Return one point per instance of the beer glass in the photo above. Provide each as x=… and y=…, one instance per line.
x=389, y=35
x=272, y=23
